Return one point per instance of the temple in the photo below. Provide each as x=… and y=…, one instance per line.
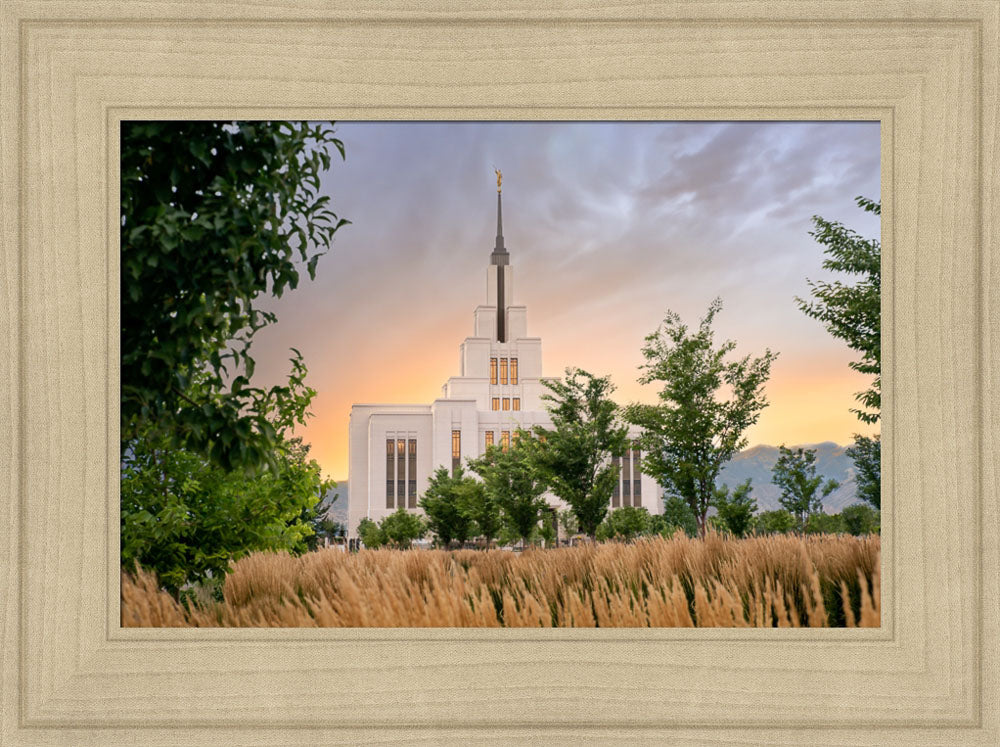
x=395, y=448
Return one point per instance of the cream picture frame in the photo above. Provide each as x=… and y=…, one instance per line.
x=72, y=71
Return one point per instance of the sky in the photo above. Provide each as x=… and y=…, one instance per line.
x=608, y=225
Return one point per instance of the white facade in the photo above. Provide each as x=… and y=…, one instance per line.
x=394, y=449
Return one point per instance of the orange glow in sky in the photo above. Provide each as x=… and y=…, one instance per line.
x=608, y=225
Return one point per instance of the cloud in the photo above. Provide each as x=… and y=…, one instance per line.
x=608, y=224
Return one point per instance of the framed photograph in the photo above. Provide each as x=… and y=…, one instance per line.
x=77, y=75
x=644, y=428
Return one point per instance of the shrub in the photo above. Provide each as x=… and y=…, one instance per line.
x=735, y=512
x=677, y=514
x=821, y=523
x=774, y=522
x=371, y=534
x=860, y=519
x=625, y=523
x=401, y=527
x=187, y=519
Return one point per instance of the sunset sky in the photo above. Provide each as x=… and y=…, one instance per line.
x=608, y=226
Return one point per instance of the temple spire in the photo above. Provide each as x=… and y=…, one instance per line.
x=499, y=256
x=499, y=244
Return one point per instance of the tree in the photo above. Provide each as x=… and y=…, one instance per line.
x=693, y=431
x=802, y=490
x=677, y=514
x=401, y=528
x=574, y=456
x=480, y=507
x=371, y=534
x=512, y=482
x=214, y=215
x=625, y=523
x=867, y=455
x=852, y=312
x=441, y=504
x=860, y=519
x=774, y=522
x=736, y=512
x=187, y=519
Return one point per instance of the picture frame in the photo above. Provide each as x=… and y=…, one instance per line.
x=73, y=71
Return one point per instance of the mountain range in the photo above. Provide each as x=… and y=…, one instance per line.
x=832, y=462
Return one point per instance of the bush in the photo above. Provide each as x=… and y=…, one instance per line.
x=822, y=523
x=736, y=512
x=774, y=522
x=861, y=519
x=187, y=519
x=625, y=523
x=371, y=534
x=401, y=527
x=398, y=529
x=677, y=514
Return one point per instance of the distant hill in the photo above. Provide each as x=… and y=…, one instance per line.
x=758, y=461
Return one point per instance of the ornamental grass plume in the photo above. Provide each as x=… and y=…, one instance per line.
x=718, y=581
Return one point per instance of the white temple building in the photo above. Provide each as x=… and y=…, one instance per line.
x=393, y=449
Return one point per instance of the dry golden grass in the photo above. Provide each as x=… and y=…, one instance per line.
x=783, y=581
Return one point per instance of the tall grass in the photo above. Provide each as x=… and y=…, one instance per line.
x=780, y=580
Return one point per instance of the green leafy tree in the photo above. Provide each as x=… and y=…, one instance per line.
x=860, y=519
x=401, y=528
x=802, y=490
x=574, y=456
x=625, y=523
x=187, y=519
x=852, y=312
x=867, y=455
x=371, y=534
x=694, y=430
x=214, y=216
x=480, y=508
x=513, y=484
x=441, y=504
x=774, y=522
x=735, y=512
x=677, y=514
